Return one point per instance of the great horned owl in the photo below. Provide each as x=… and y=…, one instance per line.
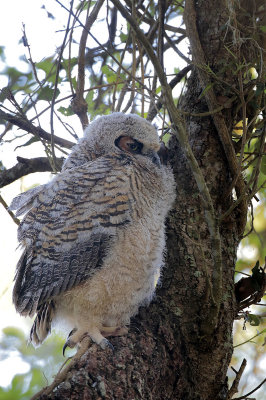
x=93, y=237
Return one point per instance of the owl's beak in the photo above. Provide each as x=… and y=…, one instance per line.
x=163, y=154
x=156, y=159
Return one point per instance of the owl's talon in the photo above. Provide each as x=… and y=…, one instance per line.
x=72, y=332
x=69, y=343
x=64, y=348
x=105, y=343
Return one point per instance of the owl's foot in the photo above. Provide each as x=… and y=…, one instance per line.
x=113, y=331
x=105, y=343
x=76, y=336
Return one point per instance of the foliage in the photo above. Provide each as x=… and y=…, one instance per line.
x=43, y=363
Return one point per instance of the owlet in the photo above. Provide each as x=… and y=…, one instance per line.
x=93, y=237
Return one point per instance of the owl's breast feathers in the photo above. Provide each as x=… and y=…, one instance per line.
x=71, y=223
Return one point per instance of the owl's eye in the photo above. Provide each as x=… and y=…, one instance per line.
x=136, y=146
x=129, y=144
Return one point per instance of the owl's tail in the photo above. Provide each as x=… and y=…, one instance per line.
x=42, y=323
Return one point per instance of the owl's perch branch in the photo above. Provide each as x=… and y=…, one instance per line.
x=27, y=126
x=209, y=211
x=26, y=166
x=64, y=370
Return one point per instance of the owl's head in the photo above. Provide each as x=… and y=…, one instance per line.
x=113, y=133
x=106, y=131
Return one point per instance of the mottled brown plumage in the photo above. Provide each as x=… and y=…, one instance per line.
x=93, y=237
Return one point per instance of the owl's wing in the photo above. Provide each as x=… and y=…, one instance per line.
x=69, y=226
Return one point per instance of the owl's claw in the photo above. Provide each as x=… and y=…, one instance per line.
x=69, y=343
x=105, y=343
x=64, y=348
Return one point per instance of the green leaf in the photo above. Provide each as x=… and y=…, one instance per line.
x=12, y=331
x=89, y=97
x=2, y=53
x=13, y=75
x=263, y=165
x=110, y=75
x=166, y=138
x=47, y=93
x=254, y=320
x=123, y=37
x=74, y=82
x=66, y=111
x=207, y=88
x=37, y=377
x=46, y=65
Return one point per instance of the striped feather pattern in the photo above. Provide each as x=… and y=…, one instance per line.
x=93, y=237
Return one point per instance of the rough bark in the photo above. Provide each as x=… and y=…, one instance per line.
x=171, y=352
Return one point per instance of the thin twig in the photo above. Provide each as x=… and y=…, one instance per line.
x=79, y=105
x=27, y=126
x=55, y=88
x=239, y=373
x=4, y=204
x=253, y=337
x=245, y=396
x=105, y=50
x=155, y=107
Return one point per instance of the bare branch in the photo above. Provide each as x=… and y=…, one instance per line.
x=79, y=104
x=27, y=126
x=245, y=396
x=26, y=166
x=4, y=204
x=154, y=109
x=239, y=373
x=53, y=159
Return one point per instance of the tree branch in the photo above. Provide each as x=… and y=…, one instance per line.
x=4, y=204
x=27, y=126
x=62, y=48
x=245, y=396
x=156, y=107
x=79, y=105
x=26, y=166
x=239, y=373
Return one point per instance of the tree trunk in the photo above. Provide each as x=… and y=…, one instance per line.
x=175, y=349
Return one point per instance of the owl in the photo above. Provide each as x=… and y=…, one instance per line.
x=93, y=237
